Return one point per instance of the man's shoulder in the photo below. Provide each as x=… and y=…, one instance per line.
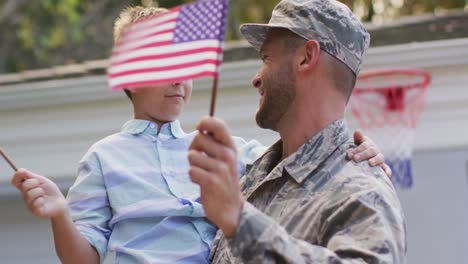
x=359, y=183
x=360, y=175
x=349, y=187
x=340, y=178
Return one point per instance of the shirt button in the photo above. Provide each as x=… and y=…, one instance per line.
x=152, y=125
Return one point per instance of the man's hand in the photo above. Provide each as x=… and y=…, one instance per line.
x=367, y=150
x=42, y=196
x=213, y=166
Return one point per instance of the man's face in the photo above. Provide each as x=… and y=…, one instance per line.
x=163, y=102
x=275, y=82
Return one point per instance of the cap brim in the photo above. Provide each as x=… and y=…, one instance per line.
x=256, y=34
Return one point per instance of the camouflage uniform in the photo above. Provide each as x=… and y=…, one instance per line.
x=316, y=207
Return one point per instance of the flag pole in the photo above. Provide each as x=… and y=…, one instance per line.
x=214, y=89
x=8, y=160
x=214, y=92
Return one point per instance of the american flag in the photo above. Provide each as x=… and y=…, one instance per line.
x=184, y=43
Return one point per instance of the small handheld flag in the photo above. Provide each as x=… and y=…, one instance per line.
x=182, y=44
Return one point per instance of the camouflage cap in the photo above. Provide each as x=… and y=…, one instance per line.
x=330, y=22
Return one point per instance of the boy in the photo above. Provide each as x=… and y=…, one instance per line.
x=133, y=195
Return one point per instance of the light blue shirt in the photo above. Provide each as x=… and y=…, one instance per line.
x=133, y=196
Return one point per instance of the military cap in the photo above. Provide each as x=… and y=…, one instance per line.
x=329, y=22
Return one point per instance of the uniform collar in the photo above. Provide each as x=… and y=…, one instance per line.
x=299, y=165
x=139, y=126
x=316, y=150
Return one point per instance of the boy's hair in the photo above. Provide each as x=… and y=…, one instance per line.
x=129, y=16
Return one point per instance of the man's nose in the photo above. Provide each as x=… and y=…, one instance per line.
x=256, y=82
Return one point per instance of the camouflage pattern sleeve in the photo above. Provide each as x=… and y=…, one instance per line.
x=357, y=229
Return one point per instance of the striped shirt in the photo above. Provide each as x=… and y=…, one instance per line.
x=133, y=196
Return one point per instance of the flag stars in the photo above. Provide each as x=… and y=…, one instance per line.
x=201, y=21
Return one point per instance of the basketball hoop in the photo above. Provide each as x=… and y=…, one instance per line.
x=387, y=104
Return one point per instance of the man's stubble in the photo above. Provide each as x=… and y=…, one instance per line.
x=279, y=95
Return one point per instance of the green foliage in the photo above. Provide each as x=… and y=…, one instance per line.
x=44, y=33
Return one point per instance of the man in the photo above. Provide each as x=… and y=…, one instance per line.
x=303, y=201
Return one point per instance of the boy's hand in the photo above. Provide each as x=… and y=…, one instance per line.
x=42, y=196
x=368, y=150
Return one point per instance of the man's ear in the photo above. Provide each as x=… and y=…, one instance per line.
x=308, y=55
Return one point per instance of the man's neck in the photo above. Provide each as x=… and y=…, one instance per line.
x=302, y=123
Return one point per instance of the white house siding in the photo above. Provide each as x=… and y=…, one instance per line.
x=47, y=126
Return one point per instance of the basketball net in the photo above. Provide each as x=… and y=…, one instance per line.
x=387, y=105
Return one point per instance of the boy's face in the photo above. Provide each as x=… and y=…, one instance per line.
x=163, y=102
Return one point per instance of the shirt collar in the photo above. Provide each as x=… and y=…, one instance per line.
x=316, y=150
x=139, y=126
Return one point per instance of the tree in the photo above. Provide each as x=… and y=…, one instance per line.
x=44, y=33
x=50, y=32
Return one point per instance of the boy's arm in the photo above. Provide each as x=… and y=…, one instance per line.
x=248, y=153
x=44, y=199
x=70, y=245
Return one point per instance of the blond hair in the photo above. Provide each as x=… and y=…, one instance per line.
x=132, y=14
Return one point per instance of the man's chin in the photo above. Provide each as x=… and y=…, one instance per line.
x=263, y=121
